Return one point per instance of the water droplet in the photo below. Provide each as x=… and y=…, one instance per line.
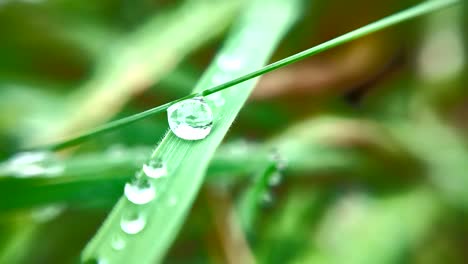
x=280, y=161
x=172, y=201
x=29, y=164
x=229, y=62
x=191, y=119
x=140, y=191
x=155, y=169
x=132, y=222
x=118, y=243
x=275, y=179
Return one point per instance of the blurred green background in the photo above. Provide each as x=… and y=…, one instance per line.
x=373, y=132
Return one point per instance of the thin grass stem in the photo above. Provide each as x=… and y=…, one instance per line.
x=410, y=13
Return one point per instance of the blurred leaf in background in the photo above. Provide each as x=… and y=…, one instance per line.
x=354, y=155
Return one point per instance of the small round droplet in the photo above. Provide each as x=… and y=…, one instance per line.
x=280, y=161
x=29, y=164
x=118, y=243
x=275, y=179
x=191, y=119
x=140, y=191
x=229, y=62
x=155, y=169
x=132, y=222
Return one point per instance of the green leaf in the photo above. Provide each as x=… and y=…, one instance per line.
x=187, y=161
x=410, y=13
x=134, y=62
x=309, y=148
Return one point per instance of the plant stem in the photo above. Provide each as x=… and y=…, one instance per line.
x=410, y=13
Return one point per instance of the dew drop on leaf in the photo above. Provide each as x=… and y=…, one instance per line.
x=190, y=119
x=275, y=179
x=118, y=243
x=155, y=169
x=140, y=191
x=132, y=222
x=278, y=159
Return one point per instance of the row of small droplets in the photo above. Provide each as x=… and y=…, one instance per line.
x=140, y=190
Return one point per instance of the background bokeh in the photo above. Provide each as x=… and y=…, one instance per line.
x=374, y=132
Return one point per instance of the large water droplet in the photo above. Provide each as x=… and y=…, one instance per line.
x=118, y=243
x=191, y=119
x=140, y=191
x=132, y=222
x=29, y=164
x=155, y=169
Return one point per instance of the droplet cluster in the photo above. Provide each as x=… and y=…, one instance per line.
x=191, y=119
x=139, y=191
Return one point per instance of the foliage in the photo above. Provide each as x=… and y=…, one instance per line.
x=356, y=155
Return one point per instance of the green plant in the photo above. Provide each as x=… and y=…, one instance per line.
x=187, y=163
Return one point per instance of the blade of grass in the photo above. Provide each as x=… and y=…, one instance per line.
x=285, y=234
x=410, y=13
x=129, y=66
x=186, y=161
x=254, y=196
x=309, y=149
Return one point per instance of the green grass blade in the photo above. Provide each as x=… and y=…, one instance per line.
x=96, y=179
x=131, y=64
x=269, y=21
x=254, y=196
x=410, y=13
